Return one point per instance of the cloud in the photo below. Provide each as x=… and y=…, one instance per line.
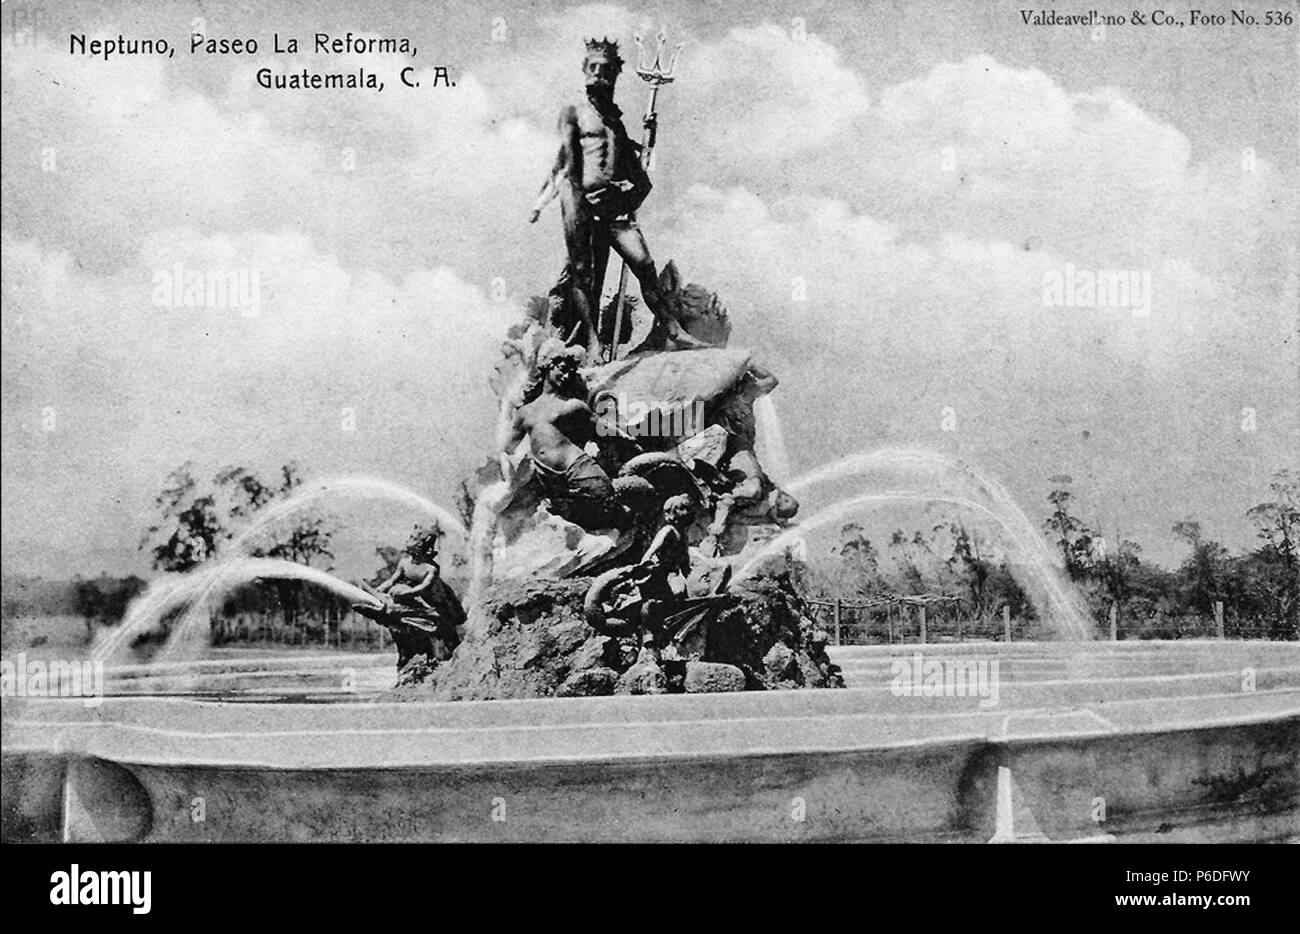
x=917, y=221
x=761, y=94
x=995, y=152
x=341, y=370
x=891, y=333
x=135, y=150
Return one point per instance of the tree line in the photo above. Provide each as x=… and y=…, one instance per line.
x=198, y=520
x=1261, y=586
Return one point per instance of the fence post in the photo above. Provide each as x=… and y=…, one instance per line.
x=923, y=636
x=1006, y=622
x=1218, y=618
x=1114, y=622
x=839, y=606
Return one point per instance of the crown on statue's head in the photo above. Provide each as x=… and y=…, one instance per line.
x=605, y=48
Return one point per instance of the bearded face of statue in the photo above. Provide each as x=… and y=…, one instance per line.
x=601, y=72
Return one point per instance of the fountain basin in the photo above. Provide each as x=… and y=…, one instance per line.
x=1159, y=739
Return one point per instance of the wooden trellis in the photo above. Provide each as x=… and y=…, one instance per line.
x=895, y=606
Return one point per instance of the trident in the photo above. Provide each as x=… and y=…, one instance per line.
x=656, y=76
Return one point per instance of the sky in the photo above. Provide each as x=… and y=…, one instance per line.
x=879, y=193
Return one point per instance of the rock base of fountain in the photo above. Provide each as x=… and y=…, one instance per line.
x=530, y=638
x=643, y=467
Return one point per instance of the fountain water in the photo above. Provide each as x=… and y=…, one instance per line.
x=493, y=498
x=967, y=482
x=1073, y=718
x=230, y=571
x=1041, y=583
x=771, y=439
x=482, y=531
x=199, y=588
x=948, y=481
x=367, y=487
x=144, y=611
x=168, y=594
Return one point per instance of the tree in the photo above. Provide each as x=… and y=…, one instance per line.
x=244, y=492
x=1002, y=589
x=970, y=566
x=196, y=523
x=105, y=599
x=913, y=558
x=859, y=564
x=1073, y=537
x=1277, y=564
x=1116, y=571
x=302, y=538
x=1279, y=519
x=1202, y=574
x=189, y=528
x=89, y=603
